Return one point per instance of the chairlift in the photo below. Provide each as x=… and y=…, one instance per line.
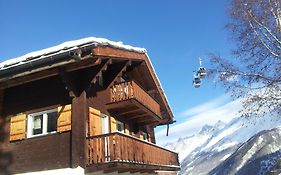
x=202, y=72
x=196, y=82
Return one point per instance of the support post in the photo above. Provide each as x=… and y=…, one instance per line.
x=78, y=132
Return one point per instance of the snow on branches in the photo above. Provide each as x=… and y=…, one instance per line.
x=254, y=72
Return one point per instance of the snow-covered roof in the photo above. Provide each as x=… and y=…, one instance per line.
x=66, y=47
x=71, y=46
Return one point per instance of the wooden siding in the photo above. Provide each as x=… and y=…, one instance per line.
x=118, y=147
x=59, y=150
x=38, y=153
x=41, y=153
x=128, y=90
x=35, y=95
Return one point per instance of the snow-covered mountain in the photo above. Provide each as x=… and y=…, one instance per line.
x=230, y=148
x=259, y=155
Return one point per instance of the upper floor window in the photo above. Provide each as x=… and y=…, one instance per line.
x=120, y=126
x=42, y=123
x=144, y=135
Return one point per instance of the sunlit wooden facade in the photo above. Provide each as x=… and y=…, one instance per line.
x=97, y=112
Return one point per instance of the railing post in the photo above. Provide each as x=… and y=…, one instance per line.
x=117, y=147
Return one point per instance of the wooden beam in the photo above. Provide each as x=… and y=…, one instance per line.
x=132, y=167
x=129, y=112
x=68, y=82
x=110, y=170
x=149, y=112
x=123, y=170
x=117, y=53
x=29, y=78
x=120, y=73
x=149, y=123
x=145, y=119
x=102, y=69
x=113, y=106
x=123, y=110
x=46, y=72
x=80, y=112
x=138, y=116
x=146, y=171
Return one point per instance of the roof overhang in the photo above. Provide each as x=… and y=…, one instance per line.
x=89, y=54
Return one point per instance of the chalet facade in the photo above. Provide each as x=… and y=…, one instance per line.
x=83, y=107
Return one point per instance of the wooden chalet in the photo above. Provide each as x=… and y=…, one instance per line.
x=90, y=103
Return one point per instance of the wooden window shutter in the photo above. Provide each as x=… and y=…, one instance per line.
x=64, y=118
x=18, y=127
x=95, y=124
x=113, y=124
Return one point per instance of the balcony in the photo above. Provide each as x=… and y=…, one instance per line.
x=121, y=152
x=130, y=101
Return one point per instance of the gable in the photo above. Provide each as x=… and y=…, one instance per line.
x=81, y=54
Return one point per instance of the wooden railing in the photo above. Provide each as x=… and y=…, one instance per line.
x=128, y=90
x=119, y=147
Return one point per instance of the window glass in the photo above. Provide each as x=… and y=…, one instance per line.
x=52, y=121
x=120, y=126
x=37, y=124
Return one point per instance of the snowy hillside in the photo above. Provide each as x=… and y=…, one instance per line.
x=260, y=155
x=213, y=145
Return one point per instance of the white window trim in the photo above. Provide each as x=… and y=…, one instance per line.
x=45, y=123
x=105, y=124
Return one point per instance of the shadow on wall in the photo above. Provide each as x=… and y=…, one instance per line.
x=6, y=158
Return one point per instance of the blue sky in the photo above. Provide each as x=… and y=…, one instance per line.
x=175, y=33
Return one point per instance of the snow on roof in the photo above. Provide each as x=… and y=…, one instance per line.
x=72, y=45
x=159, y=82
x=65, y=47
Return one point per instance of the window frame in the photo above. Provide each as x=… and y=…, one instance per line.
x=30, y=117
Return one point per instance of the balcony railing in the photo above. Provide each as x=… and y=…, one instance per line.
x=130, y=90
x=119, y=147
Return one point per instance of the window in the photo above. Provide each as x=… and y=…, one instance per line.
x=144, y=135
x=42, y=123
x=120, y=126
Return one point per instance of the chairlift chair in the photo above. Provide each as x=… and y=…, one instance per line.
x=196, y=82
x=202, y=72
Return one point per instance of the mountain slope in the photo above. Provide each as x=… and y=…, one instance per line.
x=184, y=146
x=259, y=155
x=213, y=145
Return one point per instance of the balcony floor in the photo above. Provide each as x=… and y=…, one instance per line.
x=129, y=167
x=132, y=109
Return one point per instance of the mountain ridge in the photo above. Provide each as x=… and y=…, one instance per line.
x=205, y=151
